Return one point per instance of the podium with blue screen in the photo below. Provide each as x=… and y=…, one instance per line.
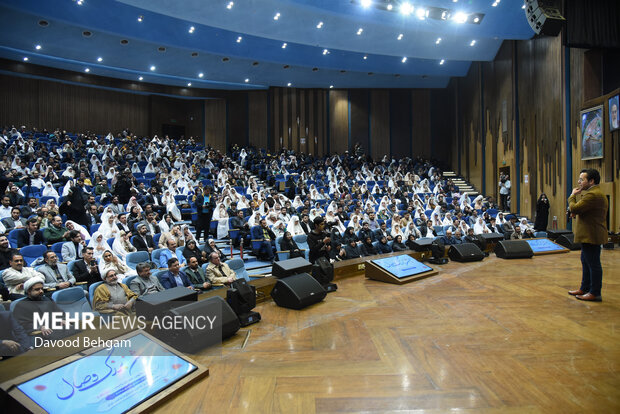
x=545, y=246
x=398, y=270
x=102, y=380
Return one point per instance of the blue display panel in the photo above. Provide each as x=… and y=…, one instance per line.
x=108, y=381
x=402, y=266
x=544, y=245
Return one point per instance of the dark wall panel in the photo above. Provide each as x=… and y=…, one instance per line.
x=237, y=118
x=379, y=123
x=400, y=122
x=359, y=116
x=257, y=118
x=421, y=122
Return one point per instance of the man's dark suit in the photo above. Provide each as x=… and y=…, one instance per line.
x=23, y=238
x=12, y=331
x=81, y=273
x=138, y=243
x=168, y=281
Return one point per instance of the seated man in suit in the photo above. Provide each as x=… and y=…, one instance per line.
x=262, y=232
x=219, y=273
x=122, y=223
x=72, y=250
x=175, y=276
x=86, y=270
x=16, y=276
x=145, y=283
x=13, y=338
x=196, y=275
x=449, y=239
x=113, y=296
x=143, y=242
x=494, y=227
x=516, y=234
x=55, y=232
x=30, y=234
x=428, y=230
x=92, y=216
x=237, y=222
x=174, y=234
x=151, y=223
x=170, y=252
x=15, y=221
x=56, y=274
x=5, y=252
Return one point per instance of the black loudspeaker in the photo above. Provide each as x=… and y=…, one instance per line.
x=554, y=234
x=323, y=272
x=242, y=299
x=297, y=291
x=513, y=249
x=466, y=252
x=291, y=267
x=568, y=241
x=159, y=303
x=422, y=245
x=202, y=334
x=544, y=17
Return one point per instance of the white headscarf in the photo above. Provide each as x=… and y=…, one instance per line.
x=98, y=247
x=50, y=191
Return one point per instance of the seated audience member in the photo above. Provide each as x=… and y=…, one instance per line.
x=30, y=234
x=29, y=209
x=16, y=275
x=175, y=276
x=263, y=234
x=174, y=234
x=494, y=227
x=219, y=273
x=56, y=274
x=15, y=220
x=509, y=226
x=55, y=232
x=13, y=338
x=143, y=242
x=352, y=250
x=349, y=235
x=383, y=246
x=367, y=248
x=196, y=275
x=398, y=245
x=121, y=245
x=528, y=234
x=72, y=250
x=15, y=198
x=337, y=253
x=112, y=262
x=516, y=235
x=192, y=250
x=145, y=283
x=170, y=252
x=151, y=223
x=288, y=244
x=112, y=296
x=92, y=216
x=37, y=303
x=411, y=242
x=366, y=232
x=5, y=252
x=122, y=224
x=428, y=230
x=449, y=239
x=86, y=270
x=237, y=222
x=98, y=244
x=384, y=232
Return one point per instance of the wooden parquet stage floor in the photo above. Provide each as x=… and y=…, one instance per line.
x=498, y=336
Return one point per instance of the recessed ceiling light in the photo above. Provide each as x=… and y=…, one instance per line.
x=421, y=13
x=400, y=36
x=359, y=31
x=318, y=26
x=277, y=16
x=153, y=68
x=325, y=51
x=230, y=5
x=444, y=15
x=25, y=59
x=191, y=29
x=441, y=62
x=496, y=3
x=225, y=59
x=239, y=39
x=476, y=19
x=99, y=59
x=438, y=41
x=80, y=2
x=200, y=75
x=247, y=80
x=255, y=63
x=289, y=84
x=161, y=49
x=286, y=66
x=406, y=8
x=38, y=47
x=140, y=78
x=194, y=54
x=189, y=84
x=43, y=23
x=284, y=45
x=331, y=86
x=389, y=7
x=86, y=70
x=366, y=3
x=460, y=17
x=404, y=59
x=365, y=57
x=140, y=18
x=315, y=69
x=87, y=33
x=124, y=41
x=473, y=42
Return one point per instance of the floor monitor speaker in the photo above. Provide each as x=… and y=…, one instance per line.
x=513, y=249
x=297, y=291
x=466, y=252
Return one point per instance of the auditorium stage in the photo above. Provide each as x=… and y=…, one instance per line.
x=491, y=336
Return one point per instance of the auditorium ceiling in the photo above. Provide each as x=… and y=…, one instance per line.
x=255, y=44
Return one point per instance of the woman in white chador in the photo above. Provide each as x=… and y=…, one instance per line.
x=221, y=216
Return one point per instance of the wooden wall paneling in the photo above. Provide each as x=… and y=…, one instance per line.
x=311, y=119
x=400, y=122
x=294, y=119
x=215, y=123
x=237, y=118
x=359, y=117
x=257, y=115
x=469, y=107
x=276, y=126
x=338, y=121
x=303, y=120
x=443, y=118
x=421, y=123
x=286, y=118
x=380, y=123
x=322, y=123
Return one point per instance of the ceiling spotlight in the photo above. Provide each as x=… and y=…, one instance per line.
x=284, y=45
x=331, y=86
x=153, y=68
x=421, y=13
x=80, y=2
x=406, y=8
x=438, y=41
x=366, y=3
x=38, y=47
x=365, y=57
x=473, y=42
x=247, y=80
x=460, y=17
x=230, y=5
x=189, y=84
x=140, y=78
x=318, y=26
x=400, y=36
x=200, y=75
x=496, y=3
x=86, y=70
x=191, y=29
x=140, y=18
x=476, y=19
x=523, y=7
x=25, y=59
x=277, y=16
x=441, y=62
x=325, y=51
x=359, y=31
x=445, y=15
x=404, y=59
x=390, y=7
x=289, y=84
x=239, y=39
x=100, y=59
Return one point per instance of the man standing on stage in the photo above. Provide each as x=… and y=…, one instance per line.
x=590, y=230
